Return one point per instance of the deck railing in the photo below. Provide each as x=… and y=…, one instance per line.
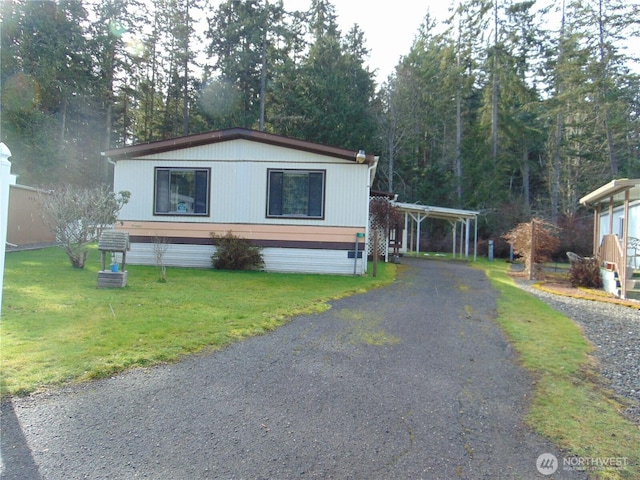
x=612, y=258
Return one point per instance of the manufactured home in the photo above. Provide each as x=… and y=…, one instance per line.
x=616, y=234
x=305, y=204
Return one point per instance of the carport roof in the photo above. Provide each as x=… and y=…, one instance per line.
x=452, y=214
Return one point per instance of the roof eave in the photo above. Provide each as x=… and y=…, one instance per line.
x=611, y=189
x=162, y=146
x=442, y=213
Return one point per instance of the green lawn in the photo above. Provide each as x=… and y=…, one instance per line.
x=571, y=405
x=57, y=326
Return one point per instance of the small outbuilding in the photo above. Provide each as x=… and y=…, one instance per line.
x=26, y=226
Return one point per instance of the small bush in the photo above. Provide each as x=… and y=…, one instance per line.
x=575, y=235
x=235, y=253
x=585, y=273
x=545, y=244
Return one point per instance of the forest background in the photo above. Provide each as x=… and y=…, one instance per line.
x=495, y=109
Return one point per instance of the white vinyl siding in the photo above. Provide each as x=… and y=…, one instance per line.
x=239, y=184
x=297, y=260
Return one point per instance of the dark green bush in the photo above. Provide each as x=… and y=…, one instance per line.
x=235, y=253
x=585, y=273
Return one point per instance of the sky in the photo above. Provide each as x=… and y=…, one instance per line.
x=389, y=26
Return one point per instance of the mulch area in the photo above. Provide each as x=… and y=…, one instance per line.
x=559, y=285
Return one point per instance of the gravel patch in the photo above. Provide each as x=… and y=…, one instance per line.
x=614, y=331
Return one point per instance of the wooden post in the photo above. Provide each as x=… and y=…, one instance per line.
x=532, y=254
x=375, y=254
x=624, y=264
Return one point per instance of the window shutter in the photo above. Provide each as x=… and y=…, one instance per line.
x=316, y=191
x=162, y=191
x=275, y=193
x=202, y=185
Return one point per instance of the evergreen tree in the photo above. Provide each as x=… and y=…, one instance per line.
x=245, y=40
x=420, y=135
x=591, y=124
x=473, y=116
x=511, y=104
x=46, y=81
x=328, y=97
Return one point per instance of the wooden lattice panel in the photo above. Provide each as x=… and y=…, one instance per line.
x=379, y=230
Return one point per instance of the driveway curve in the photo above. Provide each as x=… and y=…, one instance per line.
x=409, y=381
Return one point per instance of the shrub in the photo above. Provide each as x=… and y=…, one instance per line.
x=160, y=247
x=77, y=216
x=383, y=214
x=545, y=244
x=235, y=253
x=585, y=273
x=576, y=235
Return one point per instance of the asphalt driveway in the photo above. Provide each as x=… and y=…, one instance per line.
x=406, y=382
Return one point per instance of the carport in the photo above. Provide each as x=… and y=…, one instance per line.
x=460, y=221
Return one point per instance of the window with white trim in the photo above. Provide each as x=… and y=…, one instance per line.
x=295, y=193
x=181, y=191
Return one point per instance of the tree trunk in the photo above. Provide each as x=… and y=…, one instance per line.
x=613, y=161
x=458, y=159
x=494, y=90
x=557, y=144
x=263, y=79
x=185, y=68
x=526, y=178
x=555, y=177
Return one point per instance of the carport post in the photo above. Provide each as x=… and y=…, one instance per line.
x=418, y=235
x=454, y=226
x=466, y=238
x=5, y=174
x=475, y=238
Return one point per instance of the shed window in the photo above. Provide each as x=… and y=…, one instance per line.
x=181, y=191
x=295, y=193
